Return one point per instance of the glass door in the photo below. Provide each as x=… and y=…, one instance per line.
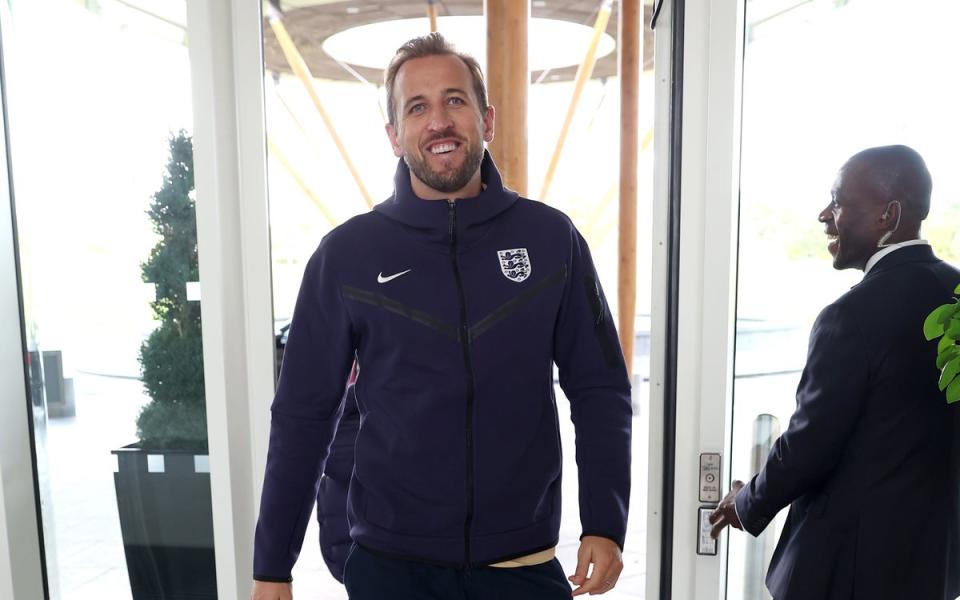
x=100, y=120
x=822, y=80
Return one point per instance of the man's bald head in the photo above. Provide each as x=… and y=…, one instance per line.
x=898, y=173
x=880, y=198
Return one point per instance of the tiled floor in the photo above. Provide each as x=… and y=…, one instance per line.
x=90, y=563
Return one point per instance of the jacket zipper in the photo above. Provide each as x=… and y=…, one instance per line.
x=465, y=344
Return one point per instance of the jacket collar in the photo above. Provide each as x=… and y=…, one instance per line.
x=889, y=249
x=902, y=256
x=432, y=217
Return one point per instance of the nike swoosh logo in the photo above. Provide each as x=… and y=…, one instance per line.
x=382, y=279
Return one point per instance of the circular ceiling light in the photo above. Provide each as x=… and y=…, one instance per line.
x=552, y=44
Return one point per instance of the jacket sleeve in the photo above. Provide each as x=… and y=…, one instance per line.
x=829, y=400
x=335, y=539
x=594, y=378
x=316, y=364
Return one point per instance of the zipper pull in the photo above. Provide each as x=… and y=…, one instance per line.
x=452, y=220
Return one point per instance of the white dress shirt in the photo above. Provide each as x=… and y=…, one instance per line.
x=887, y=250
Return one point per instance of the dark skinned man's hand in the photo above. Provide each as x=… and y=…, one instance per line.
x=726, y=512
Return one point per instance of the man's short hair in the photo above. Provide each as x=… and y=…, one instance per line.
x=432, y=44
x=901, y=174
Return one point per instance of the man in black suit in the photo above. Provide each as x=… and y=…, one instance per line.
x=870, y=463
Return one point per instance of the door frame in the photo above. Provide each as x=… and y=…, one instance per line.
x=233, y=236
x=22, y=570
x=699, y=64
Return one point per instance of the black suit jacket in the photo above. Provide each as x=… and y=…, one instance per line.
x=870, y=463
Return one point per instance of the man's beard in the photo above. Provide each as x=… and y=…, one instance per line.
x=447, y=181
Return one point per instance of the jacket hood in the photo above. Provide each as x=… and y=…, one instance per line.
x=432, y=217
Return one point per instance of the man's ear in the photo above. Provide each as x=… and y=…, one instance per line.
x=392, y=134
x=891, y=214
x=488, y=119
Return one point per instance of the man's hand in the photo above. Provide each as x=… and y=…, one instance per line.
x=607, y=565
x=267, y=590
x=726, y=512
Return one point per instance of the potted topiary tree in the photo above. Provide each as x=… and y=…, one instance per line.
x=163, y=481
x=944, y=323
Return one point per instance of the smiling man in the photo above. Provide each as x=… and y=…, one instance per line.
x=443, y=148
x=870, y=463
x=456, y=297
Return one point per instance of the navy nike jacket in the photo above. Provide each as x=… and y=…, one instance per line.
x=455, y=312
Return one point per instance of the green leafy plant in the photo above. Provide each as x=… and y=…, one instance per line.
x=171, y=358
x=944, y=323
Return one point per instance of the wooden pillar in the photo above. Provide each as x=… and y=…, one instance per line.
x=432, y=15
x=508, y=79
x=630, y=51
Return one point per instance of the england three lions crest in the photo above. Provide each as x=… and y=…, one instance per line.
x=515, y=264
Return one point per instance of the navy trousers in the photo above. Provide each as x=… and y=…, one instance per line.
x=368, y=576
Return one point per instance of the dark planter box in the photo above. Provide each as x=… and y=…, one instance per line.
x=163, y=497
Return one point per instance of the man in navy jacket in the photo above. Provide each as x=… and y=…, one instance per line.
x=455, y=297
x=869, y=463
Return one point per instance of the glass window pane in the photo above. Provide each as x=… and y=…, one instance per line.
x=822, y=80
x=103, y=180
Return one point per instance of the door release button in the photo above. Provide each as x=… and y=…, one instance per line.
x=710, y=477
